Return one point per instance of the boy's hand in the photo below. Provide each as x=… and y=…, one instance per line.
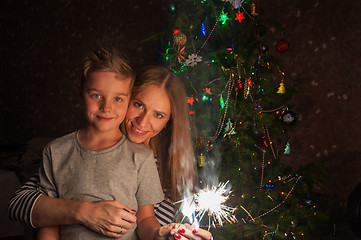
x=110, y=218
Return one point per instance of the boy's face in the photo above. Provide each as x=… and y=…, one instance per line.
x=105, y=99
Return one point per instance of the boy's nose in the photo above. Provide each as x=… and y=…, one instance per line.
x=105, y=106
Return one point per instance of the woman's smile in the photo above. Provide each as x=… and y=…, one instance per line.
x=138, y=131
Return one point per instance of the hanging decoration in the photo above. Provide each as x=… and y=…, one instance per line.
x=247, y=85
x=221, y=101
x=208, y=90
x=206, y=97
x=282, y=46
x=190, y=100
x=179, y=53
x=253, y=9
x=264, y=49
x=235, y=3
x=172, y=8
x=239, y=17
x=224, y=18
x=288, y=117
x=201, y=160
x=287, y=148
x=281, y=89
x=262, y=142
x=239, y=84
x=204, y=32
x=193, y=60
x=229, y=129
x=179, y=38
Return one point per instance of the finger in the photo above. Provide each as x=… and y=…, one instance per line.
x=185, y=233
x=166, y=230
x=128, y=215
x=110, y=233
x=176, y=227
x=108, y=226
x=119, y=232
x=202, y=233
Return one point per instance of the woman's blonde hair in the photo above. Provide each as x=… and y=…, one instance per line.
x=173, y=145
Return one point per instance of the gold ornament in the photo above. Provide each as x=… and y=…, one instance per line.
x=253, y=9
x=180, y=39
x=281, y=89
x=201, y=160
x=180, y=53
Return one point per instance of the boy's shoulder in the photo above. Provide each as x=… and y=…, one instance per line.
x=137, y=147
x=64, y=140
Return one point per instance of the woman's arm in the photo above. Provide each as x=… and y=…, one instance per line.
x=22, y=203
x=48, y=233
x=148, y=226
x=30, y=206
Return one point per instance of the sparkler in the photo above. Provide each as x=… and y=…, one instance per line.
x=211, y=201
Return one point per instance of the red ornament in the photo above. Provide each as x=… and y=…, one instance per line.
x=239, y=17
x=282, y=46
x=239, y=84
x=190, y=100
x=208, y=90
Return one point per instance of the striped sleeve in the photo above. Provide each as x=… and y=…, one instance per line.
x=22, y=203
x=164, y=212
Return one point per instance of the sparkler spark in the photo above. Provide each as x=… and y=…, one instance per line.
x=211, y=201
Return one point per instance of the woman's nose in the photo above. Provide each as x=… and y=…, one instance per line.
x=143, y=119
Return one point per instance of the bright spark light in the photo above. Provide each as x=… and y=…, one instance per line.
x=211, y=201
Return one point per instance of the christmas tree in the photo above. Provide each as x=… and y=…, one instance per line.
x=241, y=116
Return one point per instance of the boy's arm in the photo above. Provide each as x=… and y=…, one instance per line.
x=48, y=233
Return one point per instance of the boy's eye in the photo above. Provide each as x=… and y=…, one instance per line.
x=138, y=105
x=118, y=99
x=95, y=95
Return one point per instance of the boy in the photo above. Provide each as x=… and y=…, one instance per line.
x=98, y=162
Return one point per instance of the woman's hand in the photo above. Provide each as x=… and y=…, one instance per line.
x=186, y=232
x=110, y=218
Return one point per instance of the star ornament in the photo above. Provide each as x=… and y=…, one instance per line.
x=240, y=17
x=190, y=100
x=224, y=18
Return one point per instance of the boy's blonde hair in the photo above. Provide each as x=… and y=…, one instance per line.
x=107, y=60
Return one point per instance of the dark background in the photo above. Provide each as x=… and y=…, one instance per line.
x=44, y=42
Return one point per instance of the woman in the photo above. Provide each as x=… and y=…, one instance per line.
x=157, y=117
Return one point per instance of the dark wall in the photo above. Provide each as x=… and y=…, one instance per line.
x=42, y=47
x=322, y=65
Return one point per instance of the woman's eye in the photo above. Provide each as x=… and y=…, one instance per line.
x=138, y=105
x=158, y=115
x=118, y=99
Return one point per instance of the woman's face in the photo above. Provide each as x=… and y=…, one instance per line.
x=148, y=113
